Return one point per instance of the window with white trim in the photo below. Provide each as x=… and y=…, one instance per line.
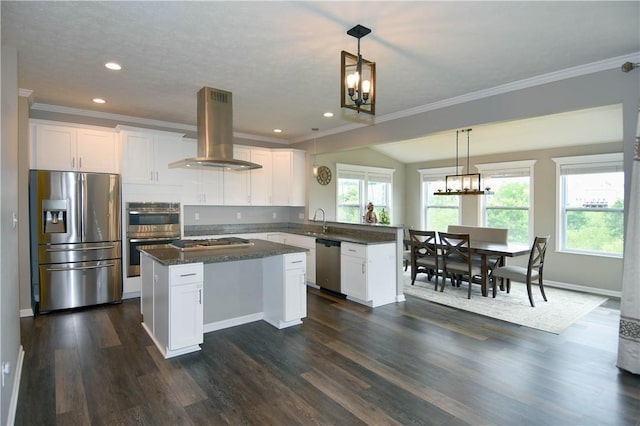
x=508, y=201
x=591, y=204
x=438, y=211
x=360, y=185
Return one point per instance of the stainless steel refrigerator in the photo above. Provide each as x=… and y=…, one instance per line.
x=76, y=243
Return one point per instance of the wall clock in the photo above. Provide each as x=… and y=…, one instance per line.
x=324, y=175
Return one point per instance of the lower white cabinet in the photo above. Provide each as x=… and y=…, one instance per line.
x=172, y=305
x=308, y=243
x=367, y=273
x=285, y=290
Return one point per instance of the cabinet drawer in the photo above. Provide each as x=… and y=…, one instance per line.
x=295, y=261
x=356, y=250
x=184, y=274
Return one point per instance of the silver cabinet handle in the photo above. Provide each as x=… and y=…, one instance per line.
x=297, y=261
x=151, y=175
x=188, y=275
x=157, y=177
x=200, y=296
x=80, y=268
x=79, y=249
x=80, y=162
x=363, y=268
x=73, y=162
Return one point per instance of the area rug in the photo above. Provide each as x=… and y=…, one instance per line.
x=562, y=309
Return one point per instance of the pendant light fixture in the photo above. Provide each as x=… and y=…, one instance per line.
x=357, y=78
x=461, y=184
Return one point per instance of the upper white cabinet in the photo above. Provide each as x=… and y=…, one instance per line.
x=146, y=155
x=261, y=187
x=237, y=183
x=249, y=187
x=75, y=148
x=288, y=177
x=201, y=185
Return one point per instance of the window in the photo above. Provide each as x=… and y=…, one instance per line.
x=508, y=203
x=360, y=185
x=439, y=211
x=591, y=204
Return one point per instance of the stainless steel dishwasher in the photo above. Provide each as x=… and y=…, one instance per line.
x=328, y=264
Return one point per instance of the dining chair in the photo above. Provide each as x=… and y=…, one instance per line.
x=424, y=254
x=532, y=272
x=406, y=254
x=457, y=260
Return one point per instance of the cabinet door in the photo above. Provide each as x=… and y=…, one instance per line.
x=186, y=316
x=137, y=158
x=295, y=295
x=353, y=276
x=167, y=149
x=237, y=183
x=261, y=187
x=54, y=147
x=211, y=186
x=146, y=291
x=96, y=151
x=281, y=178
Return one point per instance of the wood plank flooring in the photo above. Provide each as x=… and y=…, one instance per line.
x=406, y=363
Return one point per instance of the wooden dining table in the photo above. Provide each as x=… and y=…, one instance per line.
x=488, y=249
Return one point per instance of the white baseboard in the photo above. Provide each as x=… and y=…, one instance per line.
x=26, y=313
x=13, y=403
x=583, y=289
x=219, y=325
x=131, y=295
x=400, y=298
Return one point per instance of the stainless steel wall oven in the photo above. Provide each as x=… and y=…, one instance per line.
x=148, y=225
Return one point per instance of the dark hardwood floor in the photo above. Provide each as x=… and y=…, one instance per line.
x=407, y=363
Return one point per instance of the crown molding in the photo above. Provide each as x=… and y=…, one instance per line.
x=139, y=120
x=604, y=65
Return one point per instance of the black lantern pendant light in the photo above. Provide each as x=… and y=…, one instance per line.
x=357, y=78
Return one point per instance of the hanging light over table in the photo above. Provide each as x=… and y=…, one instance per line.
x=357, y=78
x=462, y=184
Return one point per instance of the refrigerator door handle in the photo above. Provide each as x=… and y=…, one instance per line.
x=58, y=250
x=79, y=268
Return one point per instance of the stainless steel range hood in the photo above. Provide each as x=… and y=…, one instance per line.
x=215, y=133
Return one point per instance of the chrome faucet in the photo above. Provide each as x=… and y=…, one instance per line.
x=324, y=220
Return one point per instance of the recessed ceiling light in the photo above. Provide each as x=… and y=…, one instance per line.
x=328, y=114
x=113, y=66
x=99, y=101
x=277, y=130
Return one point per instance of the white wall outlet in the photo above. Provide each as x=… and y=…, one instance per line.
x=275, y=215
x=196, y=216
x=6, y=369
x=238, y=215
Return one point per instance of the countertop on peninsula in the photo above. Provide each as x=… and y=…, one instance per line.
x=167, y=255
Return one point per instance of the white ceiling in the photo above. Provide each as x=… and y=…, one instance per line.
x=281, y=60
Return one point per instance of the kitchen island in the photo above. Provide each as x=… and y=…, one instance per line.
x=185, y=294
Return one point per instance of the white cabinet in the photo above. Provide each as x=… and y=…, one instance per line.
x=249, y=187
x=367, y=273
x=308, y=243
x=288, y=177
x=237, y=183
x=172, y=305
x=261, y=179
x=285, y=290
x=146, y=155
x=200, y=185
x=59, y=147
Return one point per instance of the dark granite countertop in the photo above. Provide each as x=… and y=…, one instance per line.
x=361, y=235
x=168, y=255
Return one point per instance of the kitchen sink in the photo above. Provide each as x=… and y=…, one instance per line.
x=314, y=234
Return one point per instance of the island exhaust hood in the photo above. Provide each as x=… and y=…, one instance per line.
x=215, y=133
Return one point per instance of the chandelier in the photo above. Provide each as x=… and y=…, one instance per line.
x=461, y=184
x=357, y=77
